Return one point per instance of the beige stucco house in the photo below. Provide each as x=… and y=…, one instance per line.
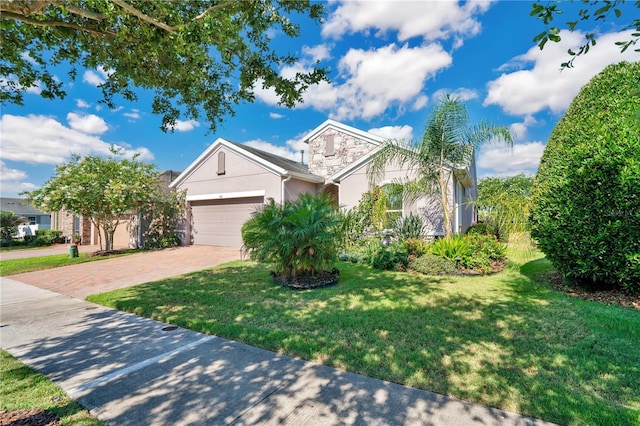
x=227, y=181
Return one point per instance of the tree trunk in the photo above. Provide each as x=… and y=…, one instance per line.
x=444, y=200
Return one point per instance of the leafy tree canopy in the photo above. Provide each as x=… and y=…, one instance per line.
x=200, y=57
x=590, y=10
x=9, y=222
x=504, y=204
x=103, y=189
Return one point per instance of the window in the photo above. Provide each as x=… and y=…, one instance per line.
x=393, y=203
x=329, y=147
x=221, y=165
x=32, y=220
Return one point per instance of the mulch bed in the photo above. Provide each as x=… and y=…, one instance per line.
x=608, y=297
x=307, y=282
x=29, y=417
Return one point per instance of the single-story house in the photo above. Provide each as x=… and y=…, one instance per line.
x=35, y=219
x=226, y=183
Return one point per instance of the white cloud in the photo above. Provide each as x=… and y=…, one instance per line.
x=420, y=102
x=97, y=77
x=317, y=53
x=7, y=173
x=10, y=83
x=462, y=92
x=273, y=149
x=275, y=115
x=90, y=124
x=400, y=133
x=39, y=139
x=182, y=125
x=520, y=130
x=81, y=103
x=428, y=19
x=543, y=85
x=499, y=160
x=12, y=181
x=92, y=78
x=133, y=115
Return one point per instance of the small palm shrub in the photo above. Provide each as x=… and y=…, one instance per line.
x=299, y=238
x=430, y=264
x=454, y=248
x=411, y=226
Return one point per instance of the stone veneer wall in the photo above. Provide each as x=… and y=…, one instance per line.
x=347, y=149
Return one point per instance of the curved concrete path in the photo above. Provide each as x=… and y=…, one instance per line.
x=129, y=370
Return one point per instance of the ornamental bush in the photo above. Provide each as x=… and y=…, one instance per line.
x=299, y=238
x=586, y=194
x=430, y=264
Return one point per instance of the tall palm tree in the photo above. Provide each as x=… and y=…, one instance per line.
x=448, y=143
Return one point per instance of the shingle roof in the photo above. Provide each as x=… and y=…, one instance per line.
x=285, y=163
x=20, y=206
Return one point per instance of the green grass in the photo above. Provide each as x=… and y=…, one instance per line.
x=24, y=388
x=28, y=264
x=508, y=340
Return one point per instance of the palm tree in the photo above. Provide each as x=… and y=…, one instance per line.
x=448, y=143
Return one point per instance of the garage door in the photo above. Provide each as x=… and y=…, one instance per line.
x=218, y=222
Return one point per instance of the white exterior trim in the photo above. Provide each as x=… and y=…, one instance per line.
x=227, y=195
x=352, y=131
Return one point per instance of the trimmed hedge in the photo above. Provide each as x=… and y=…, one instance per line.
x=586, y=214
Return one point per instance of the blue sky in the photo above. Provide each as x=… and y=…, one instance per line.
x=389, y=62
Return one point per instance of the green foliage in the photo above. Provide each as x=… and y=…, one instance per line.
x=200, y=58
x=455, y=248
x=505, y=204
x=590, y=11
x=163, y=216
x=388, y=259
x=586, y=214
x=298, y=238
x=484, y=249
x=480, y=228
x=46, y=237
x=9, y=224
x=103, y=189
x=415, y=247
x=430, y=264
x=411, y=226
x=470, y=251
x=365, y=219
x=448, y=141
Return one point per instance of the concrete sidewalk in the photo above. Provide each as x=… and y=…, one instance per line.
x=129, y=370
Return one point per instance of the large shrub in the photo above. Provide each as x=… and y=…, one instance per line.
x=299, y=238
x=586, y=205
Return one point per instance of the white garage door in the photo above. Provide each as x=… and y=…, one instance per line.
x=218, y=222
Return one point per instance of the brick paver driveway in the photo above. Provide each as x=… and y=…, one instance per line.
x=84, y=279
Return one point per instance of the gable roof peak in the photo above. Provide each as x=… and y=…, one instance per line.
x=344, y=128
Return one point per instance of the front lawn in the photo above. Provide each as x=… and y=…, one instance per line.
x=28, y=264
x=24, y=388
x=507, y=340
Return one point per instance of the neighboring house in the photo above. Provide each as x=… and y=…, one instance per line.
x=128, y=234
x=21, y=207
x=228, y=180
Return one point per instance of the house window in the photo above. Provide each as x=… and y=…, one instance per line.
x=329, y=147
x=221, y=164
x=393, y=203
x=32, y=220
